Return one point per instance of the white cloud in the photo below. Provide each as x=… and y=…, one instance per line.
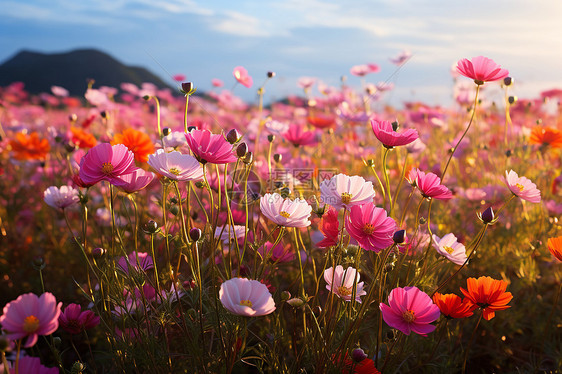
x=240, y=24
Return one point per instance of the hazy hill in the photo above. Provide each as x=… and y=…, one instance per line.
x=71, y=70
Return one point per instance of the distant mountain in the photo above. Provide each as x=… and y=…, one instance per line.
x=72, y=70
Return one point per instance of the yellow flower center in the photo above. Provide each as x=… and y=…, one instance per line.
x=284, y=214
x=519, y=186
x=448, y=249
x=174, y=171
x=247, y=303
x=344, y=291
x=30, y=324
x=409, y=316
x=346, y=197
x=368, y=229
x=107, y=168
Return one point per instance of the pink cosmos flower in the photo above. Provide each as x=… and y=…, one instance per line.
x=140, y=261
x=279, y=253
x=431, y=188
x=410, y=310
x=242, y=76
x=32, y=365
x=106, y=162
x=135, y=181
x=73, y=320
x=370, y=226
x=390, y=138
x=522, y=187
x=345, y=191
x=362, y=70
x=179, y=77
x=285, y=212
x=62, y=197
x=246, y=297
x=401, y=58
x=217, y=82
x=341, y=282
x=297, y=136
x=176, y=166
x=449, y=247
x=330, y=228
x=208, y=147
x=481, y=69
x=306, y=82
x=30, y=316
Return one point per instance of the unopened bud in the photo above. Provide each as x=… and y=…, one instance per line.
x=97, y=252
x=358, y=355
x=399, y=236
x=285, y=295
x=270, y=138
x=249, y=158
x=241, y=150
x=38, y=263
x=146, y=97
x=285, y=192
x=233, y=136
x=151, y=227
x=174, y=210
x=295, y=302
x=78, y=368
x=191, y=128
x=166, y=131
x=277, y=157
x=508, y=153
x=70, y=146
x=487, y=216
x=188, y=88
x=512, y=99
x=508, y=81
x=104, y=114
x=270, y=74
x=195, y=234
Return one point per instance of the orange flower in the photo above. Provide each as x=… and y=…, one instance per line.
x=555, y=247
x=137, y=141
x=487, y=293
x=321, y=121
x=546, y=136
x=452, y=306
x=81, y=138
x=29, y=147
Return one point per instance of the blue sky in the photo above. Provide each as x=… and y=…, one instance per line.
x=294, y=38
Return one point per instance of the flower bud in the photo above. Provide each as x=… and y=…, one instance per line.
x=295, y=302
x=188, y=88
x=104, y=114
x=358, y=355
x=97, y=252
x=487, y=216
x=277, y=157
x=399, y=236
x=166, y=131
x=241, y=150
x=508, y=153
x=285, y=295
x=233, y=136
x=512, y=99
x=270, y=138
x=285, y=192
x=73, y=118
x=146, y=97
x=38, y=263
x=174, y=210
x=151, y=227
x=78, y=368
x=270, y=74
x=508, y=81
x=195, y=234
x=191, y=128
x=57, y=342
x=249, y=158
x=70, y=146
x=395, y=125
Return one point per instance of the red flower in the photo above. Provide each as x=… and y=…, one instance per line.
x=365, y=366
x=330, y=228
x=487, y=293
x=452, y=306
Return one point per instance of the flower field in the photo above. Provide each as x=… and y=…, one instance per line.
x=147, y=232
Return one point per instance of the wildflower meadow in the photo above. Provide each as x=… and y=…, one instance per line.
x=150, y=231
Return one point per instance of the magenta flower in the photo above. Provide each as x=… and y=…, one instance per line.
x=106, y=162
x=61, y=197
x=285, y=212
x=246, y=297
x=431, y=188
x=135, y=181
x=362, y=70
x=73, y=320
x=481, y=69
x=522, y=187
x=279, y=253
x=410, y=310
x=297, y=136
x=242, y=76
x=30, y=316
x=341, y=282
x=370, y=226
x=345, y=191
x=208, y=147
x=401, y=58
x=140, y=261
x=32, y=365
x=390, y=138
x=449, y=247
x=176, y=166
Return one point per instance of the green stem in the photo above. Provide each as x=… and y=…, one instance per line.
x=470, y=342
